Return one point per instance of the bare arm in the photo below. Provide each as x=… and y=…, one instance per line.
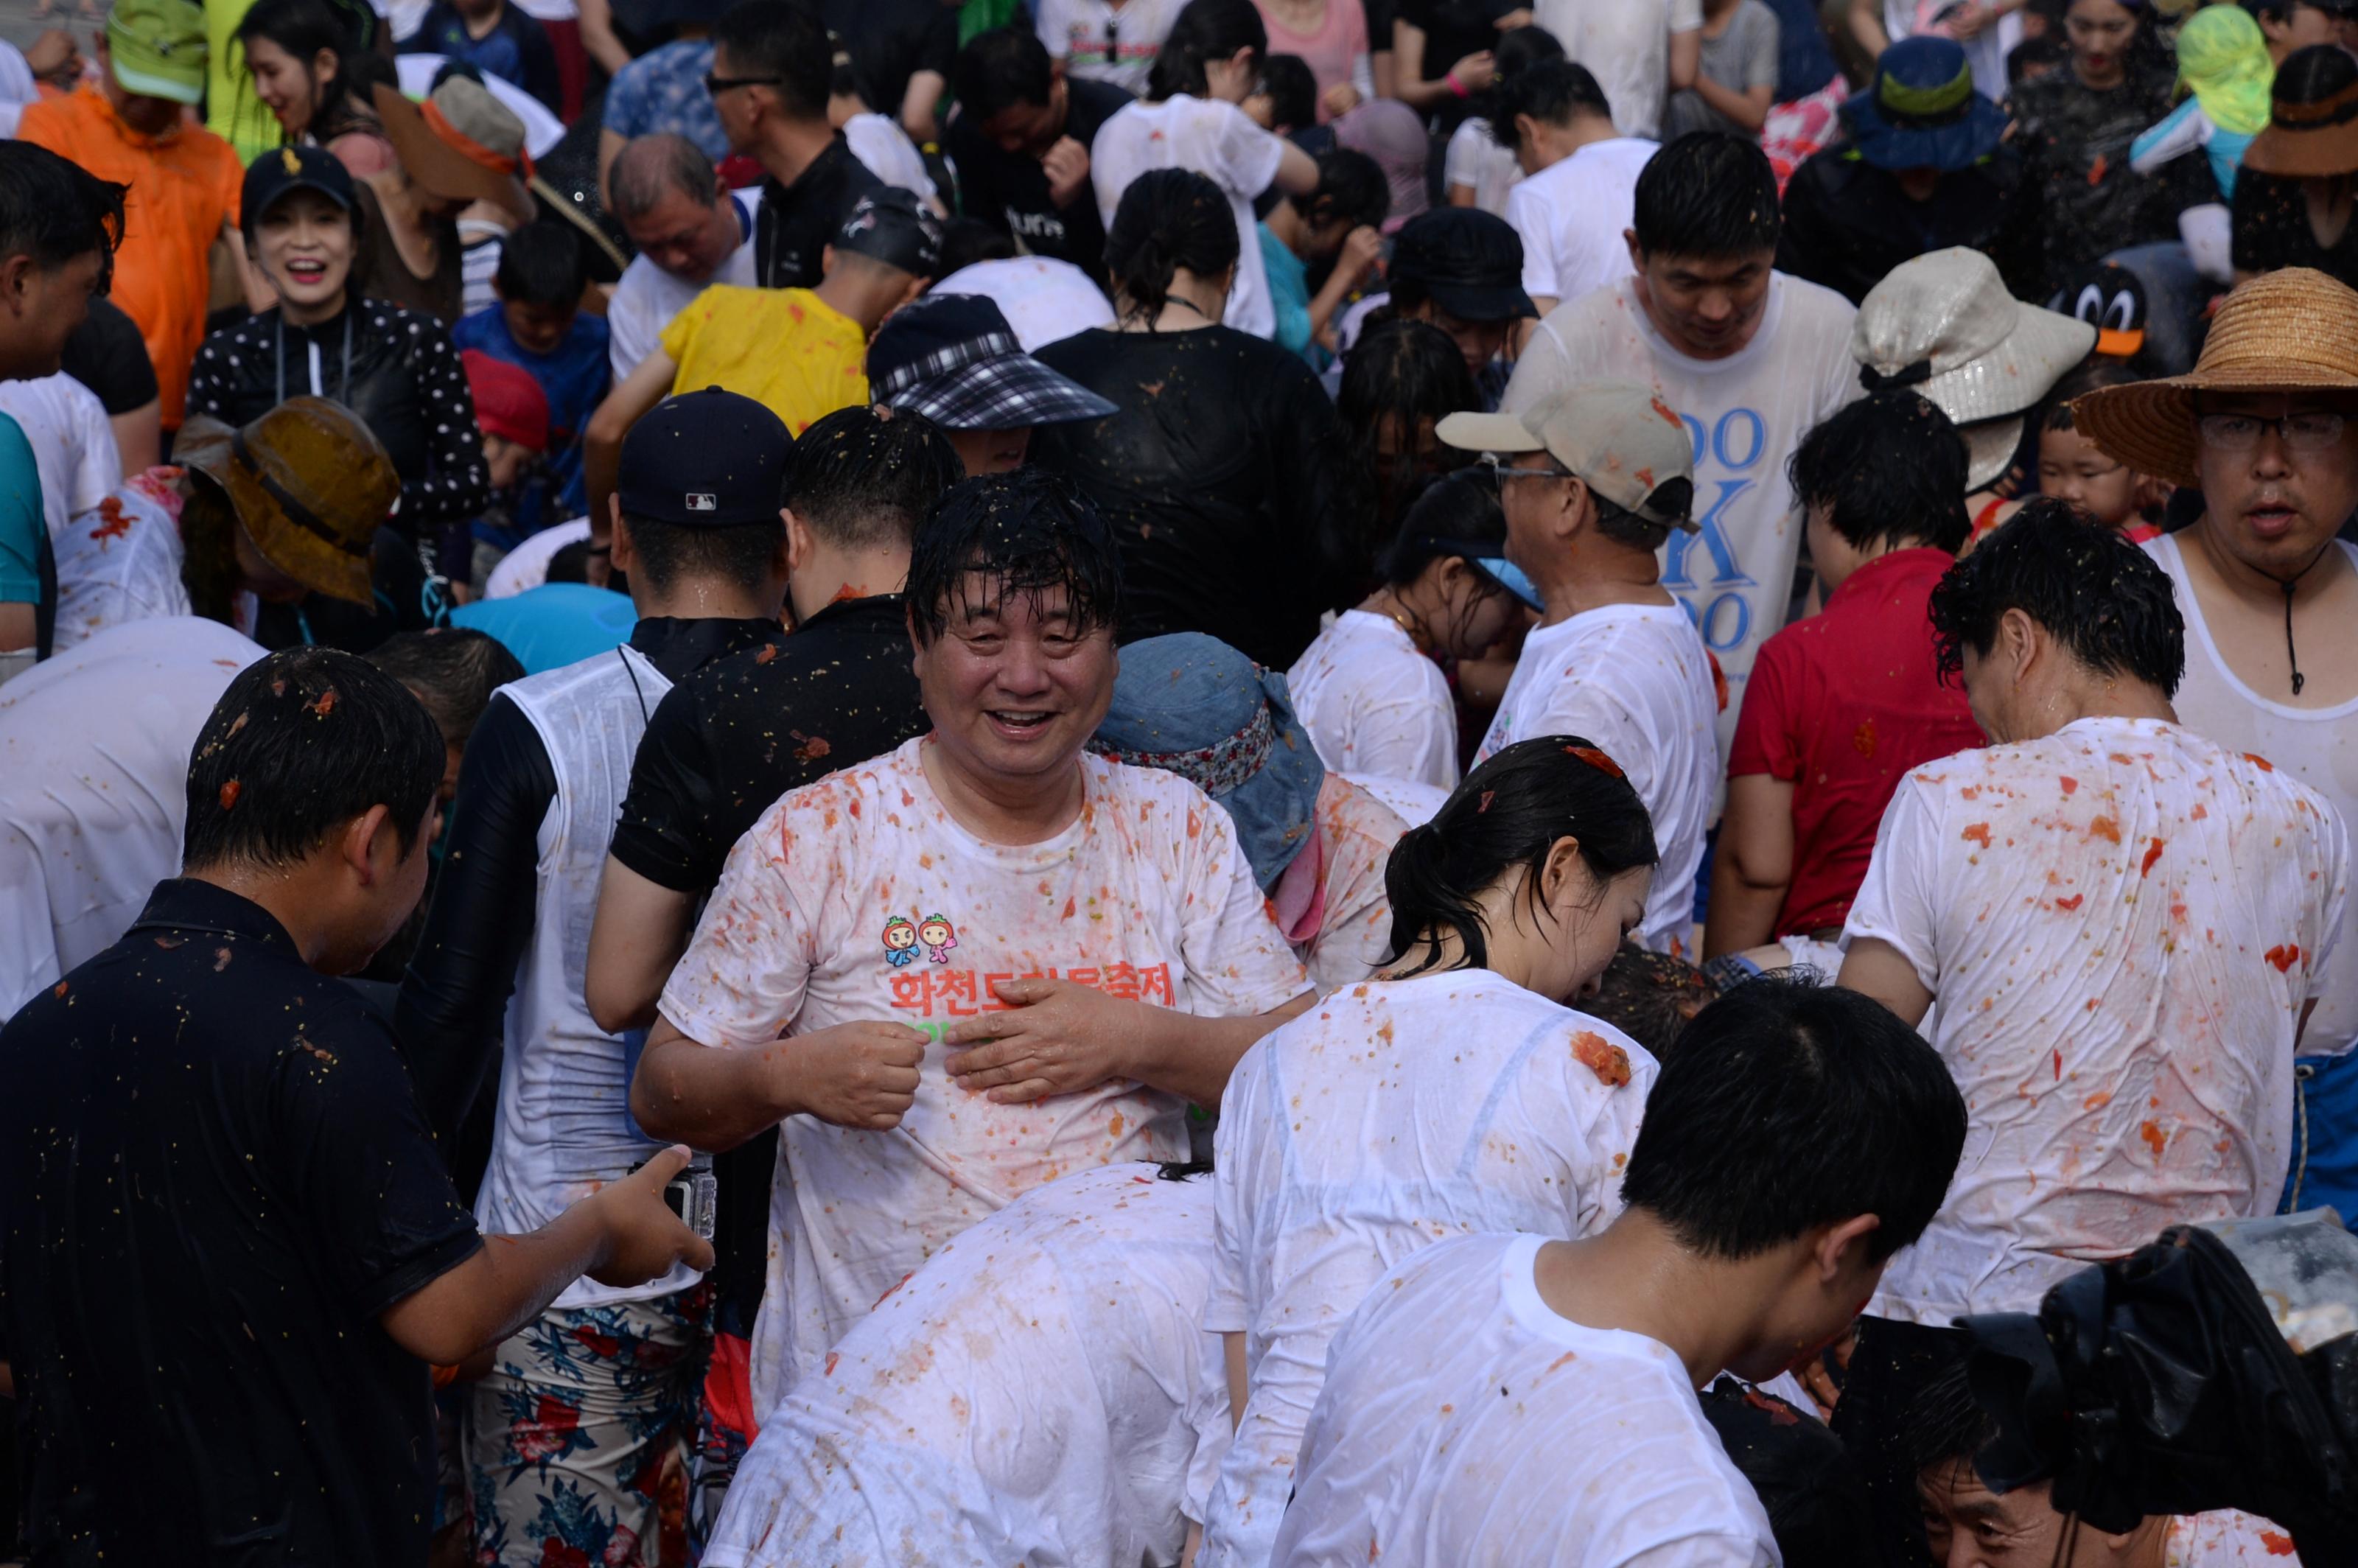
x=1754, y=868
x=1866, y=26
x=1059, y=1038
x=610, y=147
x=1297, y=171
x=19, y=627
x=1473, y=73
x=1749, y=109
x=598, y=35
x=622, y=1235
x=918, y=103
x=1875, y=967
x=861, y=1074
x=139, y=435
x=1686, y=58
x=641, y=929
x=601, y=443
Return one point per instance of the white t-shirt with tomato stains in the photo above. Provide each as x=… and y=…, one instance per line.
x=1356, y=832
x=1042, y=1391
x=2123, y=922
x=1465, y=1420
x=1391, y=1115
x=2227, y=1539
x=859, y=897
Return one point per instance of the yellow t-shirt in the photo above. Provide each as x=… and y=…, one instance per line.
x=785, y=348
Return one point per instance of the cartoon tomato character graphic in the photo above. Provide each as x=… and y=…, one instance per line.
x=899, y=943
x=938, y=938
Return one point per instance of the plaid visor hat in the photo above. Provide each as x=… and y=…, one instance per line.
x=954, y=359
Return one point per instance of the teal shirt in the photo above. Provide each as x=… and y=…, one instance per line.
x=1289, y=296
x=555, y=624
x=21, y=525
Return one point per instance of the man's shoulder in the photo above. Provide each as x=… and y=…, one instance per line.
x=1094, y=102
x=1815, y=309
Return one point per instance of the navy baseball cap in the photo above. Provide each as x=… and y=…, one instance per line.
x=704, y=459
x=282, y=169
x=889, y=225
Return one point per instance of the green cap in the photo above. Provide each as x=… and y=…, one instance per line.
x=157, y=49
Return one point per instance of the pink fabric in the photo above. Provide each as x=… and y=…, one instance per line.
x=1796, y=130
x=1341, y=38
x=1298, y=904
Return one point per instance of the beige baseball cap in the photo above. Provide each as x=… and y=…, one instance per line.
x=1619, y=437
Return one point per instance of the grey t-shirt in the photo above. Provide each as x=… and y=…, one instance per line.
x=1742, y=57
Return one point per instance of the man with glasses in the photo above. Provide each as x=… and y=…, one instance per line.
x=1592, y=483
x=772, y=63
x=2267, y=426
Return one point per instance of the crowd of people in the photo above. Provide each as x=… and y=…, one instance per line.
x=786, y=782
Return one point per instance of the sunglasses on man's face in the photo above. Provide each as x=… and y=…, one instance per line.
x=714, y=86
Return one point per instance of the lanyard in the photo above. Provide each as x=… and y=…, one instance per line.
x=278, y=359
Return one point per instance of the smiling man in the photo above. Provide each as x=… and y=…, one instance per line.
x=1752, y=360
x=2266, y=426
x=1108, y=955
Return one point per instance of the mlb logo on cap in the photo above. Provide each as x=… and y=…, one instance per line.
x=704, y=460
x=702, y=501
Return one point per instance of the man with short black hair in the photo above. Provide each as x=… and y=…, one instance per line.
x=1515, y=1398
x=232, y=1247
x=2291, y=25
x=1580, y=178
x=1600, y=481
x=1750, y=357
x=1085, y=937
x=689, y=230
x=1020, y=141
x=771, y=65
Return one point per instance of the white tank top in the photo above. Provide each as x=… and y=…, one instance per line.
x=564, y=1083
x=2318, y=746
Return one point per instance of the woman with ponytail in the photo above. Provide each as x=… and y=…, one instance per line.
x=1218, y=473
x=1190, y=119
x=1452, y=1095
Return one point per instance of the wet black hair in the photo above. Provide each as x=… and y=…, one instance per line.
x=302, y=742
x=1351, y=186
x=1292, y=89
x=1520, y=49
x=1710, y=195
x=1509, y=812
x=966, y=240
x=1734, y=1154
x=304, y=27
x=1550, y=91
x=1412, y=372
x=1887, y=466
x=1650, y=997
x=1001, y=69
x=541, y=264
x=1448, y=514
x=740, y=555
x=2030, y=54
x=1023, y=533
x=1206, y=30
x=450, y=669
x=2314, y=74
x=777, y=37
x=54, y=211
x=1168, y=218
x=1944, y=1424
x=2094, y=375
x=861, y=479
x=2107, y=602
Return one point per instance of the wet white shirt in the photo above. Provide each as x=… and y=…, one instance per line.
x=859, y=897
x=1373, y=704
x=73, y=444
x=1745, y=414
x=1466, y=1421
x=880, y=143
x=1572, y=217
x=1475, y=160
x=120, y=561
x=2122, y=923
x=1041, y=1391
x=1387, y=1116
x=1634, y=681
x=93, y=787
x=2318, y=746
x=1216, y=139
x=1626, y=45
x=2227, y=1539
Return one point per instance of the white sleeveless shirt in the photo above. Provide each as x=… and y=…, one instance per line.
x=564, y=1124
x=2318, y=746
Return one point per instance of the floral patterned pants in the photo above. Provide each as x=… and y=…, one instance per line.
x=577, y=1443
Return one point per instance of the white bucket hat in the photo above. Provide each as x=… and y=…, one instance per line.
x=1942, y=326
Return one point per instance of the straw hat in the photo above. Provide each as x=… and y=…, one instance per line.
x=2295, y=330
x=1944, y=326
x=310, y=487
x=461, y=144
x=2313, y=116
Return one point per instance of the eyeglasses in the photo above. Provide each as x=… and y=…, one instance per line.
x=714, y=86
x=2312, y=430
x=1500, y=473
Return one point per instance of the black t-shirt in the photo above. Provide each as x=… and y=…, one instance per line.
x=1219, y=477
x=795, y=223
x=2273, y=230
x=106, y=354
x=215, y=1177
x=726, y=742
x=2074, y=141
x=1848, y=222
x=1010, y=191
x=892, y=40
x=1452, y=29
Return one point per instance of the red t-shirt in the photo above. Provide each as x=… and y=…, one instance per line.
x=1841, y=706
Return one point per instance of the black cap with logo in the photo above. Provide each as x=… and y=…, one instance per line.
x=888, y=224
x=704, y=459
x=282, y=169
x=1468, y=262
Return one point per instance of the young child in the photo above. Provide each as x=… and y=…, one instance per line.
x=1367, y=688
x=513, y=414
x=1338, y=223
x=2072, y=468
x=1517, y=1398
x=537, y=323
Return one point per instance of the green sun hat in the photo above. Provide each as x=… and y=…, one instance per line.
x=157, y=49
